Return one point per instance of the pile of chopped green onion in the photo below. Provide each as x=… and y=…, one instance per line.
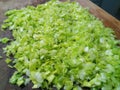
x=60, y=44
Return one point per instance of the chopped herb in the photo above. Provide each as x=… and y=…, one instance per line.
x=62, y=44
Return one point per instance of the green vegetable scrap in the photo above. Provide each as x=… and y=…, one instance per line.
x=61, y=44
x=4, y=40
x=0, y=57
x=8, y=60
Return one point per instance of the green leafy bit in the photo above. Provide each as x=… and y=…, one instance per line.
x=4, y=40
x=1, y=57
x=8, y=60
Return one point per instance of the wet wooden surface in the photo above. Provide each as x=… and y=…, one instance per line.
x=6, y=72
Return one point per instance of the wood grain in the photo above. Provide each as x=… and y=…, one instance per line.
x=107, y=19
